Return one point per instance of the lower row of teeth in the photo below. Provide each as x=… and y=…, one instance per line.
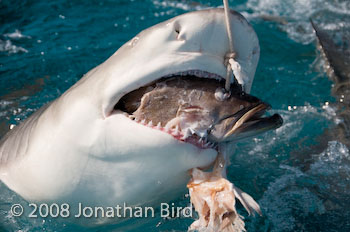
x=175, y=131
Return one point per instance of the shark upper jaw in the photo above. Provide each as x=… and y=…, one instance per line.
x=193, y=41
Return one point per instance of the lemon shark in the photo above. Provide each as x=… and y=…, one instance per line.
x=81, y=148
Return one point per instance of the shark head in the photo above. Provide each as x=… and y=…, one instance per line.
x=193, y=41
x=95, y=153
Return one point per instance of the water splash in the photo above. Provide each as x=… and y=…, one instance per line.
x=295, y=15
x=7, y=46
x=297, y=197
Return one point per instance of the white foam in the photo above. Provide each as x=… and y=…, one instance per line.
x=335, y=154
x=16, y=35
x=7, y=46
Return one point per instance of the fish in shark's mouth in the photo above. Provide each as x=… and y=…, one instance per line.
x=188, y=106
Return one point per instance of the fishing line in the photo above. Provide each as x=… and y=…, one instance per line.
x=231, y=55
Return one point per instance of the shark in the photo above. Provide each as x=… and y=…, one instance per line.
x=337, y=66
x=84, y=148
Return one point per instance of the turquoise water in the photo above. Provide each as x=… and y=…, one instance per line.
x=300, y=179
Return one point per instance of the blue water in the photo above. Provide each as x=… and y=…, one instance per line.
x=46, y=46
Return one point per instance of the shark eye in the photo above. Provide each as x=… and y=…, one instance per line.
x=177, y=29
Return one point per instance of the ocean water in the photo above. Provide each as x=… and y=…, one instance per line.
x=300, y=178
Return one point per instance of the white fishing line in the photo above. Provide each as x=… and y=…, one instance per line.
x=232, y=65
x=231, y=54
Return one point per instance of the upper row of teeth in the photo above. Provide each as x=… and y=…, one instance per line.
x=197, y=73
x=175, y=131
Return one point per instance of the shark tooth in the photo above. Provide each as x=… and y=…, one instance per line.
x=192, y=131
x=176, y=130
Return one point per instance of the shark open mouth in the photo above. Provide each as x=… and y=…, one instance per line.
x=184, y=105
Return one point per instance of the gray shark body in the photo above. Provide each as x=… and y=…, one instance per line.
x=337, y=66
